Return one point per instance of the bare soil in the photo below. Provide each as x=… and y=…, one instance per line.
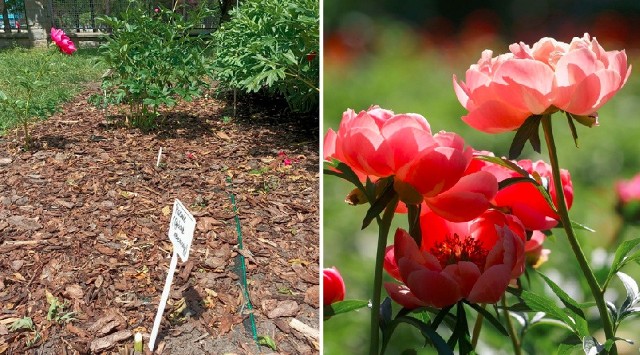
x=84, y=217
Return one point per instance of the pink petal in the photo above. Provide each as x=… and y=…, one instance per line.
x=526, y=84
x=465, y=273
x=467, y=199
x=402, y=295
x=491, y=285
x=329, y=146
x=434, y=288
x=495, y=117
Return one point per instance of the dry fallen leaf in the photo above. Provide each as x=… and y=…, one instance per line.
x=166, y=210
x=223, y=135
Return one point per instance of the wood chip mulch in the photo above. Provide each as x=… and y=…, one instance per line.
x=84, y=218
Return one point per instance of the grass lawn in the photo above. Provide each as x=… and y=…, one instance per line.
x=64, y=74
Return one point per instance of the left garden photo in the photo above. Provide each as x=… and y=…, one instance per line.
x=159, y=177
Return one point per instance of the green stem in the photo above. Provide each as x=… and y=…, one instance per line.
x=563, y=211
x=511, y=329
x=384, y=225
x=477, y=326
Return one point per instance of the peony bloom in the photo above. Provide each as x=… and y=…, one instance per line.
x=628, y=194
x=62, y=41
x=523, y=199
x=535, y=255
x=579, y=77
x=378, y=143
x=473, y=260
x=332, y=286
x=501, y=92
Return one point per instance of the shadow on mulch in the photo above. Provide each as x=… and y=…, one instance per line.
x=262, y=110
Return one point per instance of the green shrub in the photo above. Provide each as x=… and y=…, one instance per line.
x=154, y=58
x=271, y=44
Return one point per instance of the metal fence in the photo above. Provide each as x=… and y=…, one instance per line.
x=13, y=16
x=83, y=15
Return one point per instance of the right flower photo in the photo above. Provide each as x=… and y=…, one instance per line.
x=481, y=188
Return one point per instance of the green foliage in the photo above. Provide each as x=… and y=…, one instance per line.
x=272, y=45
x=267, y=341
x=153, y=59
x=56, y=310
x=42, y=77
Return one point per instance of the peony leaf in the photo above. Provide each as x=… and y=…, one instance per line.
x=591, y=346
x=568, y=302
x=568, y=349
x=427, y=331
x=344, y=172
x=543, y=304
x=504, y=163
x=620, y=257
x=413, y=216
x=343, y=307
x=527, y=132
x=633, y=294
x=580, y=226
x=387, y=196
x=572, y=126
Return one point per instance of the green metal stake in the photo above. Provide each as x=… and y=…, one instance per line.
x=242, y=270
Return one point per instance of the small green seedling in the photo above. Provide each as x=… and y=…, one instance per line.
x=56, y=311
x=267, y=341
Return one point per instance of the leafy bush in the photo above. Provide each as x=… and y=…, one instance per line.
x=154, y=57
x=271, y=44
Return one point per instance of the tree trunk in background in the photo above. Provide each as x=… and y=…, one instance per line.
x=5, y=18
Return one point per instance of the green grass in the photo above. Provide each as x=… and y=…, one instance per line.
x=67, y=74
x=404, y=77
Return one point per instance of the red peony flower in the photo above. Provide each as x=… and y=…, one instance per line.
x=523, y=199
x=473, y=260
x=62, y=41
x=378, y=143
x=333, y=288
x=501, y=92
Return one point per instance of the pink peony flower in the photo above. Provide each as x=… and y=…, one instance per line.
x=523, y=199
x=628, y=194
x=628, y=190
x=62, y=41
x=333, y=289
x=378, y=143
x=473, y=260
x=579, y=77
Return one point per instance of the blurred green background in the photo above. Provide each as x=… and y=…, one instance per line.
x=402, y=57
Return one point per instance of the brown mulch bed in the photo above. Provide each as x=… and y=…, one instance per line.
x=84, y=218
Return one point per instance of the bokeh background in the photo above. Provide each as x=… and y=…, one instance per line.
x=401, y=56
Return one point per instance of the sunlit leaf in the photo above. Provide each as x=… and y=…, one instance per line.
x=619, y=257
x=344, y=307
x=267, y=341
x=568, y=302
x=527, y=132
x=631, y=287
x=543, y=304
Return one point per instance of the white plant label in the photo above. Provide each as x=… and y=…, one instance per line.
x=181, y=230
x=181, y=234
